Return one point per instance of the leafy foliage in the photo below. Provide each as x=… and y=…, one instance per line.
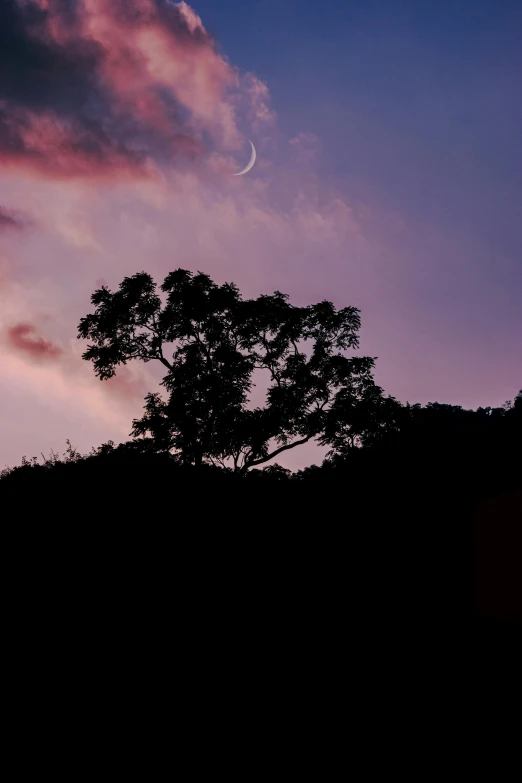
x=217, y=340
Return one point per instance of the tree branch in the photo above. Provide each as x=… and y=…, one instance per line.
x=278, y=451
x=247, y=453
x=162, y=359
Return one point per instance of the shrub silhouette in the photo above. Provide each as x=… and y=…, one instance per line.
x=437, y=447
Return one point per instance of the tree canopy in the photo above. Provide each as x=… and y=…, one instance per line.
x=211, y=341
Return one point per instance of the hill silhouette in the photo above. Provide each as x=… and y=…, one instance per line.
x=405, y=486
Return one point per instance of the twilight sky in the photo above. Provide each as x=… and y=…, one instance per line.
x=389, y=178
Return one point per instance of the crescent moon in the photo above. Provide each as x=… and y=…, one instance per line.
x=250, y=162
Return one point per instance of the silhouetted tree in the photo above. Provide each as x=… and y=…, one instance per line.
x=514, y=409
x=371, y=420
x=211, y=341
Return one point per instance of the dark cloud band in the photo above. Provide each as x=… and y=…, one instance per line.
x=58, y=113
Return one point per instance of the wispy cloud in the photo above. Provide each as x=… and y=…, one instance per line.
x=107, y=88
x=24, y=337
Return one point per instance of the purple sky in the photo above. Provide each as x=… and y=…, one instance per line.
x=389, y=177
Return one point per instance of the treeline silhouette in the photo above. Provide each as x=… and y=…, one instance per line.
x=415, y=450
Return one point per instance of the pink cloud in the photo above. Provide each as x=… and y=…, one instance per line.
x=257, y=95
x=191, y=18
x=118, y=90
x=306, y=147
x=128, y=384
x=76, y=399
x=50, y=146
x=24, y=338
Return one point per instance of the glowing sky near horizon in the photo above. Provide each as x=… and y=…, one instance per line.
x=388, y=177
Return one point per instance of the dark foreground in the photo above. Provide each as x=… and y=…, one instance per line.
x=334, y=558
